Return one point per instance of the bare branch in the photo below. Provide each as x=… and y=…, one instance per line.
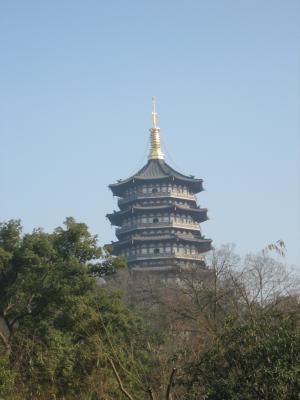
x=121, y=387
x=168, y=393
x=6, y=343
x=150, y=392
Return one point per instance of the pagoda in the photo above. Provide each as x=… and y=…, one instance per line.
x=158, y=222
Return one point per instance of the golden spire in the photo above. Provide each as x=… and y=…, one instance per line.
x=155, y=150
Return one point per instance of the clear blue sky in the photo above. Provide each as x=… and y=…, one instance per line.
x=76, y=80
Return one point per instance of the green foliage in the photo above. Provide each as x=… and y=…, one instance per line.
x=61, y=327
x=7, y=379
x=61, y=333
x=258, y=359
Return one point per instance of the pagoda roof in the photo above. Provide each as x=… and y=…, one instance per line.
x=157, y=169
x=116, y=217
x=162, y=238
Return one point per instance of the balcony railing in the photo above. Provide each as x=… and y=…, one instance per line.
x=169, y=193
x=171, y=224
x=172, y=255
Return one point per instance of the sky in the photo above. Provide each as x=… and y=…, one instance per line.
x=76, y=81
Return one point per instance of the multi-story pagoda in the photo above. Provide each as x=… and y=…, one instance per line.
x=158, y=224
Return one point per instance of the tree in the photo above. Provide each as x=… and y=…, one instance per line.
x=190, y=310
x=258, y=359
x=58, y=328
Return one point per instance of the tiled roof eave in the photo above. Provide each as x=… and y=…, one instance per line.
x=117, y=216
x=170, y=238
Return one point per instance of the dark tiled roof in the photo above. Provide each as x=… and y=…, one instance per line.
x=117, y=216
x=168, y=238
x=157, y=169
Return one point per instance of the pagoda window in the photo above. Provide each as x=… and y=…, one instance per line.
x=156, y=250
x=154, y=190
x=155, y=220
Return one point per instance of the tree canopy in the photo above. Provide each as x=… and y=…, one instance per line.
x=258, y=359
x=58, y=327
x=227, y=332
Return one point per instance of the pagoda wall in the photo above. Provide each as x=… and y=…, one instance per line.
x=155, y=217
x=160, y=248
x=158, y=188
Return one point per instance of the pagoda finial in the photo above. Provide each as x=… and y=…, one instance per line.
x=155, y=150
x=154, y=113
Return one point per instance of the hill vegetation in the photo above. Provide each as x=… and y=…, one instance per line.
x=228, y=332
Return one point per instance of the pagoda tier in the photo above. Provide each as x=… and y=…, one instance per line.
x=157, y=229
x=158, y=224
x=166, y=196
x=198, y=214
x=153, y=240
x=166, y=251
x=162, y=172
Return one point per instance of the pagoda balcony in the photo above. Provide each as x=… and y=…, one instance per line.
x=199, y=214
x=169, y=193
x=155, y=225
x=173, y=255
